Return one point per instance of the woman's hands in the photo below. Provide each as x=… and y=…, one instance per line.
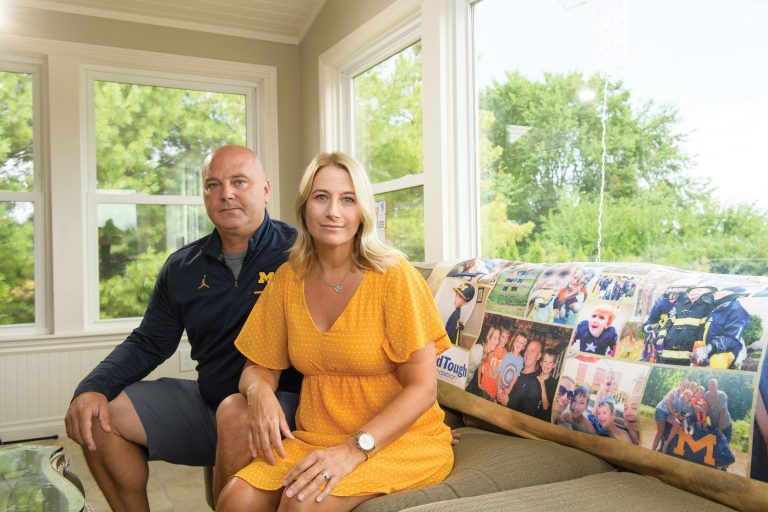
x=322, y=468
x=266, y=419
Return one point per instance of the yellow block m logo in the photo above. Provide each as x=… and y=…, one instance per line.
x=264, y=277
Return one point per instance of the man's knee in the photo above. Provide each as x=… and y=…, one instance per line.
x=124, y=421
x=232, y=415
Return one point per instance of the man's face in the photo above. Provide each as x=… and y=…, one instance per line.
x=712, y=386
x=532, y=355
x=235, y=191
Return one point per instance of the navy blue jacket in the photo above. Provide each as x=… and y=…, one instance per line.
x=729, y=321
x=198, y=292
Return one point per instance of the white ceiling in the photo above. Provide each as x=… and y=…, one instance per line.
x=284, y=21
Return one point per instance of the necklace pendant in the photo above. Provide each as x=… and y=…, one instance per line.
x=337, y=288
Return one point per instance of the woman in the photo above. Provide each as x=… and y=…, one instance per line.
x=666, y=411
x=361, y=325
x=489, y=369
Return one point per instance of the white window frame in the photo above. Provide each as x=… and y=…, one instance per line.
x=35, y=68
x=450, y=190
x=94, y=73
x=66, y=152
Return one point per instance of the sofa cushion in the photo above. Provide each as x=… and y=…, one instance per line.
x=627, y=492
x=486, y=462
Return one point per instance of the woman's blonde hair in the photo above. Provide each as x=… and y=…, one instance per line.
x=369, y=252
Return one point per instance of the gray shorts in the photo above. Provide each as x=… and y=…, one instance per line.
x=180, y=427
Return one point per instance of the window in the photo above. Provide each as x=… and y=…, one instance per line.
x=685, y=116
x=21, y=204
x=150, y=141
x=388, y=142
x=371, y=107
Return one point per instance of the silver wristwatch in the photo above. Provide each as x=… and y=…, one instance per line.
x=365, y=443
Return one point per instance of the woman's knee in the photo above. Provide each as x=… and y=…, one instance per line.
x=239, y=495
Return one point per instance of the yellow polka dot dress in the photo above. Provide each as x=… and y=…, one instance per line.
x=350, y=374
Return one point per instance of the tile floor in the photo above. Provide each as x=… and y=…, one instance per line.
x=170, y=488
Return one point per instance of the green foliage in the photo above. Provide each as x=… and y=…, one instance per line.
x=500, y=236
x=127, y=294
x=152, y=140
x=754, y=330
x=16, y=137
x=17, y=266
x=405, y=221
x=388, y=118
x=742, y=431
x=541, y=159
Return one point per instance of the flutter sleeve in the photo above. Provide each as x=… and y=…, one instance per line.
x=264, y=336
x=410, y=314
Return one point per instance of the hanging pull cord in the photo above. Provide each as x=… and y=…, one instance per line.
x=604, y=120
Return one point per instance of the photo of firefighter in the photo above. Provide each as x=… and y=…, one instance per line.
x=702, y=325
x=699, y=414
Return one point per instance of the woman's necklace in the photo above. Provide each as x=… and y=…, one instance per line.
x=338, y=286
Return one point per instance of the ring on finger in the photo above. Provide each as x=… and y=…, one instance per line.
x=326, y=475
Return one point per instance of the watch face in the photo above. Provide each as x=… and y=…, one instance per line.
x=365, y=441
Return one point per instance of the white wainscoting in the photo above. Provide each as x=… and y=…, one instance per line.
x=37, y=378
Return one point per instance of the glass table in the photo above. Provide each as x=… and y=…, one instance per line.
x=36, y=479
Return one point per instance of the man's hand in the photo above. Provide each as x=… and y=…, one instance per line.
x=80, y=414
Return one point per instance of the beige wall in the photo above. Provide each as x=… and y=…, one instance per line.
x=122, y=34
x=336, y=20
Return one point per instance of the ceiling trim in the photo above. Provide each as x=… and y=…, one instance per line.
x=158, y=21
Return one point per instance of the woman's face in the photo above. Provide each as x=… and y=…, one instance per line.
x=331, y=212
x=493, y=339
x=564, y=395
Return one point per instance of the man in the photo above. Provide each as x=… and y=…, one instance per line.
x=207, y=288
x=688, y=322
x=723, y=346
x=526, y=393
x=717, y=409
